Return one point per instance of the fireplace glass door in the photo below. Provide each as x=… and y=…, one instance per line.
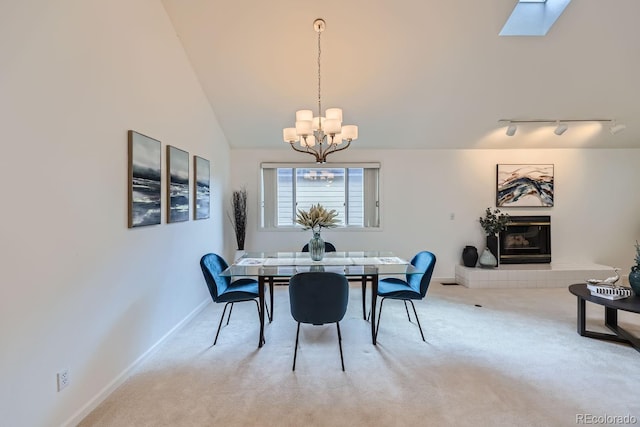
x=526, y=240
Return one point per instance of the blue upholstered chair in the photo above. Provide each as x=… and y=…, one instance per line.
x=223, y=290
x=318, y=298
x=328, y=247
x=413, y=288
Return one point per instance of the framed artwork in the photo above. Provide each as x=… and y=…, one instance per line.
x=145, y=177
x=177, y=184
x=202, y=173
x=524, y=185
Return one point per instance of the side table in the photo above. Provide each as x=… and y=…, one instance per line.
x=611, y=307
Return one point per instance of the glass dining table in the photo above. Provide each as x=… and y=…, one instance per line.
x=271, y=268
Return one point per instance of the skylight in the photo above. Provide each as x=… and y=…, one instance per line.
x=533, y=17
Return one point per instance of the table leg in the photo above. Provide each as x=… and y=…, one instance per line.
x=611, y=317
x=626, y=337
x=271, y=280
x=261, y=280
x=611, y=321
x=364, y=296
x=374, y=298
x=581, y=317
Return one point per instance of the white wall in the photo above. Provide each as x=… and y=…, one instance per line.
x=79, y=290
x=594, y=218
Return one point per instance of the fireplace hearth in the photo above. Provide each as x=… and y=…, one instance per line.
x=526, y=240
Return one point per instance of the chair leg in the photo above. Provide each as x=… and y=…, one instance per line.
x=340, y=344
x=417, y=320
x=258, y=305
x=266, y=307
x=379, y=316
x=220, y=324
x=295, y=352
x=407, y=310
x=229, y=318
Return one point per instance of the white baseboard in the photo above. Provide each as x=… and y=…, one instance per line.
x=93, y=403
x=443, y=279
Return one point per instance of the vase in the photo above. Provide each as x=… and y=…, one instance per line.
x=634, y=281
x=487, y=260
x=316, y=247
x=469, y=256
x=492, y=245
x=239, y=254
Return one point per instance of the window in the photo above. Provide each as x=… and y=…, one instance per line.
x=352, y=190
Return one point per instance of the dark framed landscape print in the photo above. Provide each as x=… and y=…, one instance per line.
x=145, y=176
x=524, y=185
x=202, y=199
x=177, y=184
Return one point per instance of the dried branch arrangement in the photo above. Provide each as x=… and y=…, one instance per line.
x=239, y=216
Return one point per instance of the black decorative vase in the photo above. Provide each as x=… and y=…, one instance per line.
x=469, y=256
x=492, y=245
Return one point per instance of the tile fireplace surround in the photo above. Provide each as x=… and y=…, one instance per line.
x=531, y=275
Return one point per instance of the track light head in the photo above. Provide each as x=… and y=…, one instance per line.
x=511, y=129
x=561, y=128
x=616, y=128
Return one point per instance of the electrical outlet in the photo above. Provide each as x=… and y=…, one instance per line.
x=63, y=379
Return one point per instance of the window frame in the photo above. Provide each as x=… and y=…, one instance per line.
x=273, y=226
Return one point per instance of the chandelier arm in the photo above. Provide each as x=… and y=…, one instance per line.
x=307, y=151
x=329, y=149
x=341, y=148
x=333, y=150
x=315, y=153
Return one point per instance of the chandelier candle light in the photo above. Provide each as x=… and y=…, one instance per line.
x=320, y=135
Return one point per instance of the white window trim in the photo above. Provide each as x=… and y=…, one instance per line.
x=276, y=165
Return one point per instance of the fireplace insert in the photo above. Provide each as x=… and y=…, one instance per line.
x=526, y=240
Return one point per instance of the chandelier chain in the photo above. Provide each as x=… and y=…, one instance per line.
x=319, y=102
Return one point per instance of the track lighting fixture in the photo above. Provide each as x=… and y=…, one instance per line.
x=615, y=128
x=561, y=128
x=561, y=125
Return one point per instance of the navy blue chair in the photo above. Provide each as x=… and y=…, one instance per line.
x=317, y=298
x=328, y=247
x=223, y=290
x=413, y=288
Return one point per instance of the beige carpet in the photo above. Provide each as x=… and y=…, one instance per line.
x=515, y=361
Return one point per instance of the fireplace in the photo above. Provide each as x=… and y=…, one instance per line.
x=526, y=240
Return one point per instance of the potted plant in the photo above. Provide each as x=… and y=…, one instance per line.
x=493, y=223
x=316, y=218
x=238, y=217
x=634, y=276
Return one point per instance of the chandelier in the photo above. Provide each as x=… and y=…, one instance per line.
x=320, y=135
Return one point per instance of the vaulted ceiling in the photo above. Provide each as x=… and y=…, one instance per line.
x=416, y=73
